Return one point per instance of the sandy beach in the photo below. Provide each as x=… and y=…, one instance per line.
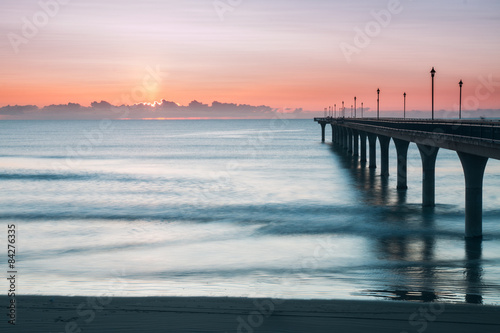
x=196, y=314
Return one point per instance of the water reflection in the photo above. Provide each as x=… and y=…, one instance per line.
x=402, y=197
x=374, y=188
x=423, y=277
x=473, y=271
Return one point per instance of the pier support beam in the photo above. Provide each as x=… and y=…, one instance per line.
x=344, y=138
x=355, y=150
x=333, y=133
x=473, y=171
x=372, y=141
x=362, y=136
x=384, y=154
x=428, y=155
x=323, y=125
x=349, y=141
x=402, y=152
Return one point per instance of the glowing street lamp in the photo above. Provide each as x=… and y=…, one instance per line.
x=354, y=106
x=460, y=107
x=378, y=104
x=433, y=72
x=404, y=107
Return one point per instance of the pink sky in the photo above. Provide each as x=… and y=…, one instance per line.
x=283, y=54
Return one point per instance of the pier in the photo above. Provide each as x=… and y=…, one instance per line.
x=475, y=141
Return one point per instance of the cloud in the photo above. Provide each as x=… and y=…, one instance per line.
x=62, y=108
x=164, y=104
x=17, y=110
x=164, y=109
x=195, y=105
x=101, y=105
x=217, y=110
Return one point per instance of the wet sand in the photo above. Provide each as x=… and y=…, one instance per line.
x=199, y=314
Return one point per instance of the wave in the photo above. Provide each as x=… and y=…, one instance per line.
x=43, y=176
x=273, y=220
x=87, y=176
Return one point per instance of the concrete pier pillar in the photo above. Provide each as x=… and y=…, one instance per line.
x=362, y=136
x=402, y=152
x=323, y=125
x=384, y=154
x=355, y=150
x=428, y=155
x=372, y=142
x=349, y=141
x=473, y=166
x=344, y=138
x=333, y=133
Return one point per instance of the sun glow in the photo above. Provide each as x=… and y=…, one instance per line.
x=182, y=118
x=153, y=104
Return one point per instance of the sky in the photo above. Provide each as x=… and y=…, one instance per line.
x=288, y=55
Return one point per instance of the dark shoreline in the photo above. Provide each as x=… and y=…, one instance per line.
x=224, y=314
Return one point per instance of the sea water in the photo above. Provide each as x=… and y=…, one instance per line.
x=257, y=208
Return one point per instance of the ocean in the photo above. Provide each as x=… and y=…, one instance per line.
x=252, y=208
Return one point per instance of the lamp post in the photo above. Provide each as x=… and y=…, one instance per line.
x=361, y=109
x=325, y=112
x=433, y=72
x=460, y=104
x=343, y=110
x=404, y=107
x=351, y=110
x=378, y=104
x=335, y=110
x=354, y=106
